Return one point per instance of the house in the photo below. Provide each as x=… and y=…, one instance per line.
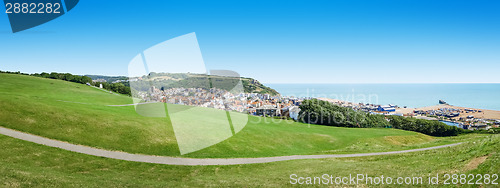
x=266, y=110
x=396, y=114
x=386, y=108
x=290, y=111
x=285, y=112
x=480, y=127
x=294, y=112
x=376, y=113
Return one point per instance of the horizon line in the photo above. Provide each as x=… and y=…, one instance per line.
x=386, y=83
x=289, y=82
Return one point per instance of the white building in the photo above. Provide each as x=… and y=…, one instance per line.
x=294, y=112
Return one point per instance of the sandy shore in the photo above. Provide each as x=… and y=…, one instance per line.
x=484, y=114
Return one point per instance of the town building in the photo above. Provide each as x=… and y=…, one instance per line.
x=267, y=110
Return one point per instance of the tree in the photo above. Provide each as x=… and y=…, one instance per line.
x=324, y=113
x=86, y=79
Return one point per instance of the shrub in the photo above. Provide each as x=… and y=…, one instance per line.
x=320, y=112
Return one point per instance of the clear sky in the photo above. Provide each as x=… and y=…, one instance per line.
x=348, y=41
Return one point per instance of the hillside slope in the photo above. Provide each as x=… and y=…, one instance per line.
x=167, y=80
x=79, y=114
x=25, y=164
x=254, y=86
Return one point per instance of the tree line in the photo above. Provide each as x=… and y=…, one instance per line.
x=428, y=127
x=116, y=87
x=320, y=112
x=64, y=76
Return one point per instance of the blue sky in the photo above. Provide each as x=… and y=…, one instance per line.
x=350, y=41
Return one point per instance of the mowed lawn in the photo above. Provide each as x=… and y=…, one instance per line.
x=25, y=164
x=79, y=114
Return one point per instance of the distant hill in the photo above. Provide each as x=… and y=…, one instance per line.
x=172, y=80
x=121, y=84
x=109, y=79
x=254, y=86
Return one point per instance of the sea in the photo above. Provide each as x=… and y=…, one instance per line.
x=482, y=96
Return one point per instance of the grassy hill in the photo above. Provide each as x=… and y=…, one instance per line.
x=254, y=86
x=79, y=114
x=25, y=164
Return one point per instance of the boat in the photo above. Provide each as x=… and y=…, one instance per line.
x=442, y=102
x=450, y=115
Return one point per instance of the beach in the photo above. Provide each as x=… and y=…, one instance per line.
x=484, y=114
x=479, y=113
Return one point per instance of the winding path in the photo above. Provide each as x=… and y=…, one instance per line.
x=183, y=161
x=133, y=104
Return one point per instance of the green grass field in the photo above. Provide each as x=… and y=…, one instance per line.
x=79, y=114
x=25, y=164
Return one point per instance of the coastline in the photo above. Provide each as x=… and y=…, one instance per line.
x=484, y=114
x=470, y=95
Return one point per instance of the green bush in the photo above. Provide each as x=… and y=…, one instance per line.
x=320, y=112
x=324, y=113
x=428, y=127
